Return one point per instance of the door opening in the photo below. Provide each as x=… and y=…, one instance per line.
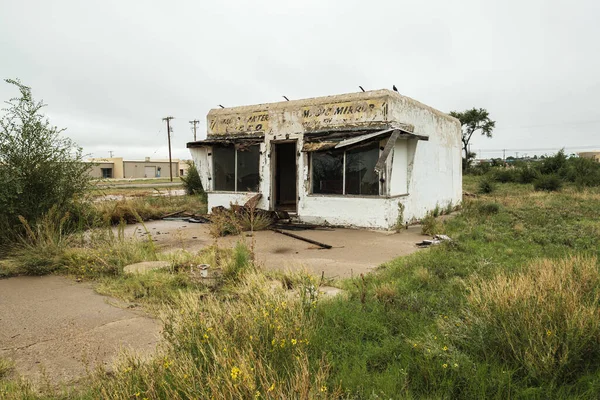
x=284, y=189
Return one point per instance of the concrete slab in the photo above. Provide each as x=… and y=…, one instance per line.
x=53, y=327
x=145, y=266
x=354, y=251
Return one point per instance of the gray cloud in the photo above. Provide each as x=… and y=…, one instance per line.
x=111, y=70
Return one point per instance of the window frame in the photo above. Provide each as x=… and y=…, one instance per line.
x=235, y=175
x=344, y=194
x=104, y=173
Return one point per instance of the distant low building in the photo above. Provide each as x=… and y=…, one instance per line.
x=594, y=155
x=117, y=168
x=184, y=166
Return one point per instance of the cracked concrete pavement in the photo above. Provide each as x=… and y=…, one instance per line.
x=355, y=251
x=54, y=328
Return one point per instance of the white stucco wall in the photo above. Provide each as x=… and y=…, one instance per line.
x=419, y=175
x=435, y=169
x=365, y=212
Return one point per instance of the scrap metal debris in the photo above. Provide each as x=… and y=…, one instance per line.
x=437, y=239
x=322, y=245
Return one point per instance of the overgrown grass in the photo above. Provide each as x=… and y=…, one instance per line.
x=253, y=344
x=150, y=207
x=396, y=334
x=508, y=309
x=6, y=367
x=543, y=320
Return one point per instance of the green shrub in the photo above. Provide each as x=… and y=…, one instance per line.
x=486, y=185
x=489, y=208
x=584, y=172
x=554, y=164
x=39, y=168
x=192, y=183
x=550, y=183
x=505, y=175
x=527, y=174
x=479, y=169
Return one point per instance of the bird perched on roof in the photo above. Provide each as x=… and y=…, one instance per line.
x=395, y=88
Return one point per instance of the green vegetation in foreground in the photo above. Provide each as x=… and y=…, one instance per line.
x=421, y=331
x=507, y=310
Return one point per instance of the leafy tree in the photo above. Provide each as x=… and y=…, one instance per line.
x=473, y=120
x=39, y=169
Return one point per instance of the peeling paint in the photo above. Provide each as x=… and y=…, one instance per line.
x=412, y=175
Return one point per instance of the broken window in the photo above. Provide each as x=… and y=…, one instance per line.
x=327, y=172
x=236, y=170
x=346, y=172
x=361, y=177
x=224, y=168
x=247, y=169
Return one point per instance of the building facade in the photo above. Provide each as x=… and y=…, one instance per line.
x=594, y=155
x=368, y=159
x=117, y=168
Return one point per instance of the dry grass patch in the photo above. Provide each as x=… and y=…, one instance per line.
x=253, y=344
x=544, y=320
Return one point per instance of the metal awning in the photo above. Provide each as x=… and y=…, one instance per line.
x=228, y=140
x=337, y=141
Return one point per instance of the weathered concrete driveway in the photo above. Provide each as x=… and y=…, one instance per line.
x=354, y=251
x=54, y=327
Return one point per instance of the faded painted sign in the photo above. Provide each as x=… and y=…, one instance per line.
x=309, y=117
x=345, y=113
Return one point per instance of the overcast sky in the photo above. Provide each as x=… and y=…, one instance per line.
x=110, y=70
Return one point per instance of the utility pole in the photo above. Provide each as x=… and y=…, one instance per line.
x=504, y=154
x=168, y=119
x=195, y=122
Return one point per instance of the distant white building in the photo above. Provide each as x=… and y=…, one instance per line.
x=354, y=159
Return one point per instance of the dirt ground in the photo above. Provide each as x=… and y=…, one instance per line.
x=54, y=328
x=354, y=251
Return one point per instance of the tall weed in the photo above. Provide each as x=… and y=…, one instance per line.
x=252, y=345
x=543, y=321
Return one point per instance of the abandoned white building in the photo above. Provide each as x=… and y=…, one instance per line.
x=368, y=159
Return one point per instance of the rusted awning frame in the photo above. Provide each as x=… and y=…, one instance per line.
x=323, y=142
x=227, y=140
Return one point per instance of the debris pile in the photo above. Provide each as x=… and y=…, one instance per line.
x=437, y=239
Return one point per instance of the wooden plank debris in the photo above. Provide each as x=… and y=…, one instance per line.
x=386, y=151
x=322, y=245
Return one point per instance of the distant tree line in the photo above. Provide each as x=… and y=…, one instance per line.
x=546, y=173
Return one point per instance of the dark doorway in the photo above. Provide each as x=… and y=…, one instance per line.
x=284, y=190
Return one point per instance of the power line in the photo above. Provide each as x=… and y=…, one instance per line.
x=590, y=122
x=544, y=149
